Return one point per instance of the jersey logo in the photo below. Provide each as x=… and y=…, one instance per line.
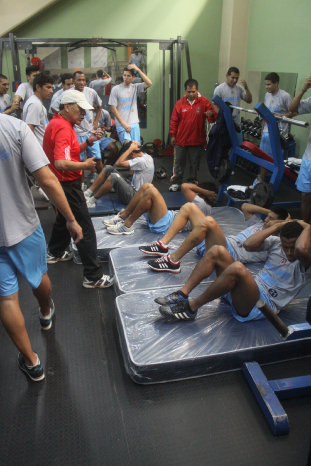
x=184, y=110
x=198, y=110
x=273, y=292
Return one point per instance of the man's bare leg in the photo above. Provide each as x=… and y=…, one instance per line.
x=104, y=188
x=43, y=294
x=99, y=166
x=306, y=207
x=99, y=181
x=216, y=258
x=14, y=323
x=234, y=279
x=134, y=201
x=152, y=202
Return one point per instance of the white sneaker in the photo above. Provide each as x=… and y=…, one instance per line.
x=104, y=282
x=113, y=220
x=90, y=202
x=120, y=229
x=174, y=187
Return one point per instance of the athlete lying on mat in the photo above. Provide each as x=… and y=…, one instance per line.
x=149, y=200
x=285, y=272
x=205, y=230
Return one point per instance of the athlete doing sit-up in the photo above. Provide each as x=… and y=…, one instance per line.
x=206, y=232
x=149, y=200
x=286, y=271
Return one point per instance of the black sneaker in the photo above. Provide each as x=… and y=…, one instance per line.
x=164, y=264
x=172, y=298
x=178, y=311
x=46, y=321
x=35, y=373
x=67, y=256
x=154, y=249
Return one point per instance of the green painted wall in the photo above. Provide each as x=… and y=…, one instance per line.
x=198, y=21
x=279, y=38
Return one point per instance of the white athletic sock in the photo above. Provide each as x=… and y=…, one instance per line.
x=37, y=363
x=88, y=192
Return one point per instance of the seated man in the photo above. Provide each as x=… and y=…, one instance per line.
x=132, y=157
x=285, y=272
x=206, y=232
x=107, y=144
x=148, y=199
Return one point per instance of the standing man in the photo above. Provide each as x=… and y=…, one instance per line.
x=34, y=112
x=303, y=182
x=90, y=122
x=99, y=85
x=66, y=83
x=25, y=90
x=62, y=148
x=22, y=242
x=277, y=102
x=123, y=101
x=5, y=100
x=231, y=91
x=188, y=132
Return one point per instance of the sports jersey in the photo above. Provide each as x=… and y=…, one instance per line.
x=60, y=143
x=233, y=95
x=278, y=103
x=34, y=113
x=143, y=168
x=125, y=99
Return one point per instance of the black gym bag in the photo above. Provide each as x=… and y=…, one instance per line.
x=262, y=195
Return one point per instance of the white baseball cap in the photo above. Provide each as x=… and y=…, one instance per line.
x=73, y=96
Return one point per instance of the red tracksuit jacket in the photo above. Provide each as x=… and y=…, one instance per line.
x=188, y=122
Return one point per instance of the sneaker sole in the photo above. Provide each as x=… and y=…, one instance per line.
x=154, y=254
x=54, y=261
x=164, y=270
x=86, y=285
x=120, y=233
x=37, y=379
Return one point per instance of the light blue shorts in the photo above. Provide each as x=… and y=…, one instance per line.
x=91, y=151
x=104, y=142
x=27, y=258
x=125, y=136
x=255, y=313
x=162, y=225
x=303, y=182
x=265, y=144
x=201, y=249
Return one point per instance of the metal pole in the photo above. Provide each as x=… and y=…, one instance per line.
x=188, y=60
x=15, y=58
x=178, y=67
x=163, y=98
x=304, y=124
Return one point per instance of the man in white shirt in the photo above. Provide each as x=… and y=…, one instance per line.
x=34, y=112
x=66, y=83
x=5, y=100
x=25, y=90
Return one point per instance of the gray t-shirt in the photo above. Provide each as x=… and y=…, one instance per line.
x=86, y=125
x=18, y=149
x=5, y=102
x=280, y=279
x=305, y=107
x=278, y=103
x=56, y=100
x=34, y=113
x=99, y=86
x=24, y=90
x=143, y=168
x=203, y=206
x=233, y=95
x=105, y=118
x=125, y=99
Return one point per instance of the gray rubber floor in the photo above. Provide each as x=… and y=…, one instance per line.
x=88, y=411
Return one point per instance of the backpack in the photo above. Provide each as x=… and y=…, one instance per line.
x=262, y=195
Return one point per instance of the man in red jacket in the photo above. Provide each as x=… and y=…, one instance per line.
x=187, y=130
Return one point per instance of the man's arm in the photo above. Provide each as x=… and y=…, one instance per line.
x=248, y=95
x=69, y=165
x=293, y=107
x=13, y=108
x=144, y=77
x=303, y=245
x=256, y=241
x=190, y=191
x=122, y=162
x=97, y=116
x=251, y=209
x=16, y=100
x=51, y=186
x=120, y=119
